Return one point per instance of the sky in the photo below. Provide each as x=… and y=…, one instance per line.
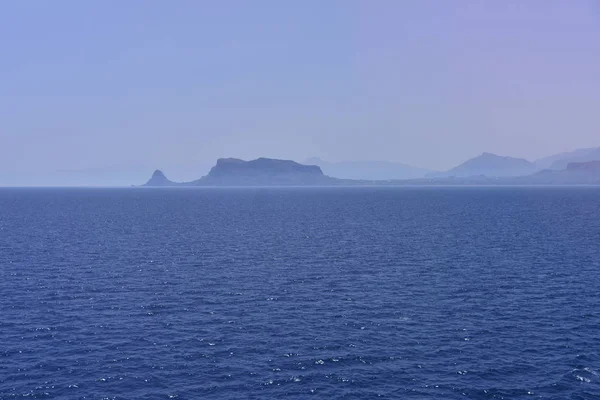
x=124, y=86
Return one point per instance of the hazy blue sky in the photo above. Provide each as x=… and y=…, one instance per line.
x=91, y=84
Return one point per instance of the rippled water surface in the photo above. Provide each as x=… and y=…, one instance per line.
x=410, y=293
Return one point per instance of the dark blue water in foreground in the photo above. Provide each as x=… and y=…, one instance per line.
x=412, y=293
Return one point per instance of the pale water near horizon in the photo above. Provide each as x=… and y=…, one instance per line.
x=349, y=293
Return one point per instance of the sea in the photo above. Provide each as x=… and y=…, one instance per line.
x=300, y=293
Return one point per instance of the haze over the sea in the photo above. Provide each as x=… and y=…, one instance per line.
x=127, y=87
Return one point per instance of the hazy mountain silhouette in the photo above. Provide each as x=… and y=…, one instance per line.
x=259, y=172
x=486, y=169
x=490, y=165
x=370, y=170
x=576, y=173
x=561, y=160
x=547, y=162
x=586, y=173
x=267, y=172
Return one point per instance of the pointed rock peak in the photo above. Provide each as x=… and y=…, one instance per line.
x=159, y=179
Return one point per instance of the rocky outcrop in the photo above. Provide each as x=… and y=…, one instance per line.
x=263, y=171
x=259, y=172
x=159, y=179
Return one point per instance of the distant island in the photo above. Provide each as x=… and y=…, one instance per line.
x=486, y=169
x=259, y=172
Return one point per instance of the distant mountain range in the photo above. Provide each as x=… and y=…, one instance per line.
x=370, y=170
x=486, y=164
x=493, y=166
x=561, y=160
x=486, y=169
x=579, y=173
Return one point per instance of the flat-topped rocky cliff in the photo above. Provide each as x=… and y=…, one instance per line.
x=259, y=172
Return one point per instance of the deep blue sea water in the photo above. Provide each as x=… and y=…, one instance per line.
x=408, y=293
